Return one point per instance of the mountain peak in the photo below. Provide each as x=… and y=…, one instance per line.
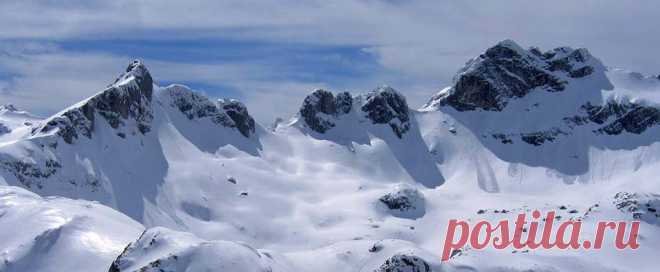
x=321, y=109
x=138, y=73
x=224, y=112
x=321, y=106
x=506, y=71
x=385, y=105
x=8, y=108
x=127, y=98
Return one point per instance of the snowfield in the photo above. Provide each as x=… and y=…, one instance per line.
x=353, y=182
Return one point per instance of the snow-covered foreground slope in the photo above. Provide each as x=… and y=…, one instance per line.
x=518, y=130
x=59, y=234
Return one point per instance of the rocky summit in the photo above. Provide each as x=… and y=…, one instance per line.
x=387, y=106
x=125, y=102
x=506, y=71
x=229, y=113
x=321, y=107
x=321, y=110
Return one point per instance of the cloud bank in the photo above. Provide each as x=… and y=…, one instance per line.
x=270, y=53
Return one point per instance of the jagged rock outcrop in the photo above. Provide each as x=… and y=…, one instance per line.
x=126, y=100
x=404, y=201
x=387, y=106
x=506, y=71
x=321, y=110
x=641, y=206
x=239, y=116
x=404, y=263
x=616, y=117
x=321, y=107
x=226, y=112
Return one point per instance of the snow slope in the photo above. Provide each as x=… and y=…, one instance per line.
x=58, y=234
x=518, y=130
x=14, y=123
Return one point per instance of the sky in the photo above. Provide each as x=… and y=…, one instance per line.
x=270, y=54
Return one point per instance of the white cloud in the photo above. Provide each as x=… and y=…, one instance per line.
x=421, y=43
x=48, y=81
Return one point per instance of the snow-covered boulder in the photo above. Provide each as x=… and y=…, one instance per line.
x=404, y=201
x=404, y=263
x=642, y=206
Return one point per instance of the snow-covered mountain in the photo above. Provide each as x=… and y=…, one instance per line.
x=354, y=182
x=15, y=123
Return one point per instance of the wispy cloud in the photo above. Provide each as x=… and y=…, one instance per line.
x=270, y=50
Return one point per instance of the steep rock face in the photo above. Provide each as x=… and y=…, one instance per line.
x=404, y=263
x=321, y=110
x=321, y=107
x=387, y=106
x=239, y=116
x=226, y=112
x=127, y=99
x=617, y=117
x=506, y=71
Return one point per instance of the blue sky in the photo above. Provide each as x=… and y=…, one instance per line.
x=271, y=53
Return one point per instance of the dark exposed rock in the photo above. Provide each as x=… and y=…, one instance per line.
x=386, y=106
x=506, y=72
x=4, y=129
x=640, y=205
x=405, y=201
x=615, y=117
x=321, y=107
x=8, y=107
x=404, y=263
x=582, y=72
x=226, y=112
x=540, y=137
x=502, y=138
x=129, y=97
x=344, y=102
x=30, y=174
x=239, y=116
x=635, y=121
